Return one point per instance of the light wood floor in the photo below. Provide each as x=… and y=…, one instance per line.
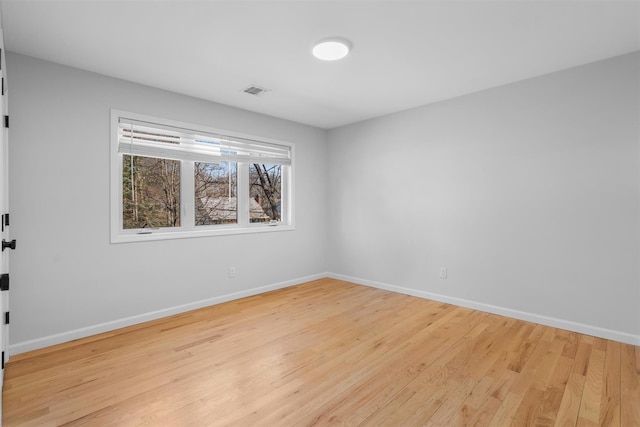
x=328, y=353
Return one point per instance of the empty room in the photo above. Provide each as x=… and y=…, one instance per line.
x=295, y=213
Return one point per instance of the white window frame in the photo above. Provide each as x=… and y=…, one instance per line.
x=187, y=228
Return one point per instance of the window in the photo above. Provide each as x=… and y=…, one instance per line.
x=172, y=180
x=265, y=189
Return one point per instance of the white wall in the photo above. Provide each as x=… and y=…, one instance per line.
x=528, y=193
x=67, y=279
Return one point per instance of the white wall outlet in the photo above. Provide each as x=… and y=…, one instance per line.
x=443, y=272
x=232, y=272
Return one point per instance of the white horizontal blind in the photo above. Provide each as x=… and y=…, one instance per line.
x=141, y=138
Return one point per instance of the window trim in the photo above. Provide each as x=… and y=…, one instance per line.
x=189, y=229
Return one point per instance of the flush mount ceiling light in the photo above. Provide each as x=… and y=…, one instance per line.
x=332, y=49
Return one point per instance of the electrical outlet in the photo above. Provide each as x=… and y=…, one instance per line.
x=443, y=272
x=232, y=272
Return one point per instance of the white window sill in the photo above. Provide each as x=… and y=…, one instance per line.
x=205, y=232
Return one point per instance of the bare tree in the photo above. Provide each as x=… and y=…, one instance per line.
x=151, y=192
x=266, y=187
x=215, y=187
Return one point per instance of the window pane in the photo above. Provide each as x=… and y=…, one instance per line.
x=265, y=191
x=215, y=193
x=150, y=192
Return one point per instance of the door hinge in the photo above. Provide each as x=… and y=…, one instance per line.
x=6, y=318
x=3, y=86
x=6, y=121
x=3, y=360
x=10, y=244
x=5, y=221
x=4, y=282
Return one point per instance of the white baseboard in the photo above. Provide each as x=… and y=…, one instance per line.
x=47, y=341
x=517, y=314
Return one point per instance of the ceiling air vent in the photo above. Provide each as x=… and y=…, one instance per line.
x=255, y=90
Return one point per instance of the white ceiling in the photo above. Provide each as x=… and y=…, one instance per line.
x=405, y=54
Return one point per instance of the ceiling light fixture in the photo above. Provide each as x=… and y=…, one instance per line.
x=332, y=49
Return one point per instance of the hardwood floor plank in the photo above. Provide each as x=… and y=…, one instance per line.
x=552, y=385
x=610, y=397
x=450, y=413
x=581, y=360
x=327, y=352
x=590, y=405
x=483, y=415
x=507, y=411
x=629, y=385
x=552, y=397
x=570, y=405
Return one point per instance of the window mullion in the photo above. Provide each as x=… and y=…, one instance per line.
x=243, y=194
